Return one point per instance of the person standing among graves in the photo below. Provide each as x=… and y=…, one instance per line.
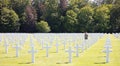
x=86, y=37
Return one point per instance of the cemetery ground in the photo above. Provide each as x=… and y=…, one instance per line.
x=93, y=56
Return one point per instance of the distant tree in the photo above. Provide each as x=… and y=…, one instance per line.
x=5, y=3
x=53, y=15
x=115, y=19
x=63, y=15
x=40, y=8
x=19, y=6
x=63, y=6
x=71, y=21
x=31, y=17
x=79, y=4
x=8, y=20
x=85, y=19
x=43, y=27
x=102, y=18
x=0, y=6
x=117, y=2
x=108, y=1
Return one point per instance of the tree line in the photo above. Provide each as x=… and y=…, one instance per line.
x=59, y=16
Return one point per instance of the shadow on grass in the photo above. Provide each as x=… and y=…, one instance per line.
x=53, y=52
x=101, y=56
x=100, y=63
x=10, y=57
x=66, y=62
x=62, y=63
x=58, y=63
x=40, y=49
x=25, y=63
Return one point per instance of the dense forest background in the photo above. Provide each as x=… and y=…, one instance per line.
x=59, y=16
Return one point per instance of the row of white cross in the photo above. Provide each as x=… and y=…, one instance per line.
x=107, y=49
x=117, y=35
x=70, y=51
x=85, y=44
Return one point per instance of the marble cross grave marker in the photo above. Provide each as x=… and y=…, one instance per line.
x=57, y=45
x=32, y=51
x=108, y=42
x=17, y=47
x=42, y=43
x=47, y=50
x=107, y=51
x=77, y=49
x=64, y=43
x=82, y=46
x=6, y=46
x=70, y=51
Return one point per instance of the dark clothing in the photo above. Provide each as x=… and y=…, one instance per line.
x=86, y=36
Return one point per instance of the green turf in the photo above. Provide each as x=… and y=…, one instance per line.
x=93, y=56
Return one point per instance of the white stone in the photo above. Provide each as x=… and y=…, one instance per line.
x=32, y=51
x=47, y=50
x=57, y=45
x=17, y=47
x=70, y=51
x=77, y=49
x=6, y=45
x=107, y=51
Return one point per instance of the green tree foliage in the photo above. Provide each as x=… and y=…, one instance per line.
x=8, y=21
x=60, y=15
x=117, y=2
x=85, y=19
x=71, y=21
x=102, y=18
x=43, y=27
x=40, y=7
x=115, y=19
x=5, y=3
x=31, y=18
x=63, y=4
x=19, y=6
x=53, y=15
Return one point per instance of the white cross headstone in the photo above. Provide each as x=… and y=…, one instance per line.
x=32, y=51
x=70, y=51
x=42, y=43
x=64, y=44
x=51, y=41
x=57, y=45
x=77, y=49
x=107, y=51
x=17, y=47
x=108, y=41
x=47, y=50
x=6, y=46
x=89, y=43
x=85, y=44
x=82, y=46
x=0, y=37
x=21, y=42
x=31, y=42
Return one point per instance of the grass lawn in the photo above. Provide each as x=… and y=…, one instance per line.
x=93, y=56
